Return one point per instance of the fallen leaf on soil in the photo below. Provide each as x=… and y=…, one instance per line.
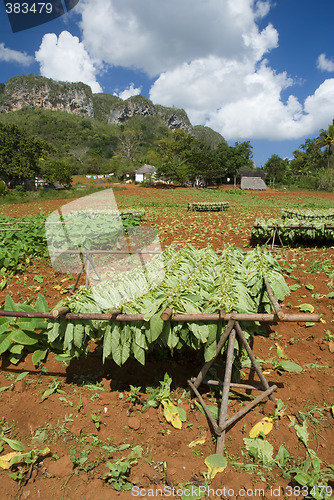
x=5, y=459
x=331, y=345
x=265, y=425
x=280, y=353
x=196, y=442
x=172, y=415
x=215, y=463
x=306, y=308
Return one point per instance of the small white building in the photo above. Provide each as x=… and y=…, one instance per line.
x=143, y=172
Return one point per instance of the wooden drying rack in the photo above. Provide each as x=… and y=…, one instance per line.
x=232, y=331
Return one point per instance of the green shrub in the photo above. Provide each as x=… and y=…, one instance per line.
x=3, y=189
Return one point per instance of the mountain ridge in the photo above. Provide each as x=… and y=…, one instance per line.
x=36, y=92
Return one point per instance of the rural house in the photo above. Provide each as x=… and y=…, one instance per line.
x=145, y=171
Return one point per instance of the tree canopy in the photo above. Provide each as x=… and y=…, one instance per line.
x=184, y=157
x=20, y=154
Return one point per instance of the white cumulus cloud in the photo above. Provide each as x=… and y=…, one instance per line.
x=14, y=56
x=156, y=36
x=324, y=63
x=66, y=59
x=207, y=57
x=243, y=101
x=128, y=92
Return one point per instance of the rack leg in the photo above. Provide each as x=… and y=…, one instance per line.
x=90, y=261
x=205, y=368
x=253, y=360
x=226, y=390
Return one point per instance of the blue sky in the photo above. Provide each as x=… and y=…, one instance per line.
x=257, y=70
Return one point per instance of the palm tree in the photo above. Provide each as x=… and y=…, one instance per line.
x=326, y=140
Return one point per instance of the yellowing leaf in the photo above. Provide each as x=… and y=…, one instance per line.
x=323, y=320
x=306, y=308
x=280, y=353
x=5, y=459
x=196, y=442
x=332, y=410
x=171, y=414
x=265, y=425
x=215, y=463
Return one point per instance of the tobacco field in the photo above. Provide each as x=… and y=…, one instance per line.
x=102, y=409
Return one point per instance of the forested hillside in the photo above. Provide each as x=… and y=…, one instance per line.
x=100, y=133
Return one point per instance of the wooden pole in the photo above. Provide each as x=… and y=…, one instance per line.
x=241, y=413
x=253, y=360
x=226, y=390
x=264, y=318
x=205, y=368
x=273, y=300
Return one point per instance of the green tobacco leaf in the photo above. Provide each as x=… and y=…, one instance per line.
x=302, y=432
x=78, y=335
x=289, y=366
x=282, y=456
x=182, y=414
x=306, y=308
x=39, y=356
x=139, y=353
x=260, y=449
x=214, y=410
x=38, y=278
x=16, y=348
x=15, y=358
x=10, y=304
x=126, y=343
x=21, y=376
x=5, y=342
x=107, y=343
x=156, y=326
x=41, y=304
x=15, y=445
x=115, y=345
x=210, y=351
x=215, y=463
x=294, y=287
x=69, y=336
x=139, y=336
x=54, y=331
x=25, y=338
x=5, y=325
x=31, y=324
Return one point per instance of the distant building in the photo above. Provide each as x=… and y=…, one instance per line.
x=145, y=171
x=252, y=179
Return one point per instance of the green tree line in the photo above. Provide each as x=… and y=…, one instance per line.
x=65, y=144
x=311, y=167
x=22, y=158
